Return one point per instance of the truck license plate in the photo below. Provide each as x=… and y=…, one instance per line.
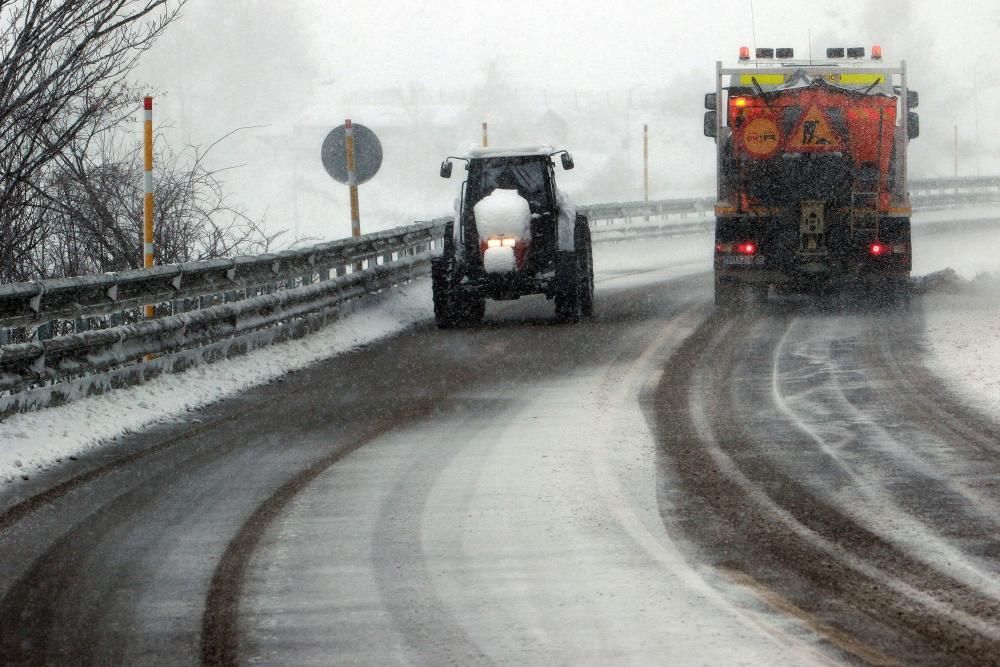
x=738, y=259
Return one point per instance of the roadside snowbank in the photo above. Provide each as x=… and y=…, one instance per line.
x=963, y=339
x=32, y=441
x=962, y=314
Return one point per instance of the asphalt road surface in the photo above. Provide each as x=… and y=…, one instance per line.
x=659, y=484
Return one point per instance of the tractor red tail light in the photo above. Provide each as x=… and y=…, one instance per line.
x=739, y=102
x=747, y=248
x=878, y=249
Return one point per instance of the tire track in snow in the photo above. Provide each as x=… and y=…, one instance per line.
x=749, y=516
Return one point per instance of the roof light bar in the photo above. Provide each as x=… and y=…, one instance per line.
x=835, y=53
x=763, y=53
x=784, y=53
x=856, y=52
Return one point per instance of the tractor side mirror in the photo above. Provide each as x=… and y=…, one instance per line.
x=567, y=161
x=710, y=101
x=711, y=129
x=446, y=169
x=912, y=125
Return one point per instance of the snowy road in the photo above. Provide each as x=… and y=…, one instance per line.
x=814, y=461
x=658, y=485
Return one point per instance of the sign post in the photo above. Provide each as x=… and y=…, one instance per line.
x=486, y=141
x=352, y=178
x=352, y=155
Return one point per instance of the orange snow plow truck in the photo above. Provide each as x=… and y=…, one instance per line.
x=811, y=169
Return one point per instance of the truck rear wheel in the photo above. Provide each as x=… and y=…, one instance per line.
x=725, y=293
x=896, y=294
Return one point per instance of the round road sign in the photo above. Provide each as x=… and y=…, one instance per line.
x=367, y=153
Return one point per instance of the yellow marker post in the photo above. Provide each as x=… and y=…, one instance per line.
x=486, y=141
x=956, y=151
x=352, y=179
x=645, y=164
x=148, y=247
x=352, y=182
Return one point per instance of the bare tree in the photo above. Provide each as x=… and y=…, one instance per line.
x=93, y=210
x=63, y=79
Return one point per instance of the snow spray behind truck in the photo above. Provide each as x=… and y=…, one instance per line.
x=811, y=173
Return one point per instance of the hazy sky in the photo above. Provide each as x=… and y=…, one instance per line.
x=300, y=67
x=614, y=43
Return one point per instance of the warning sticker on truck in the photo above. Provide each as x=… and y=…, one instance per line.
x=761, y=137
x=814, y=132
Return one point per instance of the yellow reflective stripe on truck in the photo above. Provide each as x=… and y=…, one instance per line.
x=843, y=78
x=762, y=79
x=857, y=79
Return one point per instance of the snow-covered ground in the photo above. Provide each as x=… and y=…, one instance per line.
x=36, y=440
x=963, y=313
x=963, y=321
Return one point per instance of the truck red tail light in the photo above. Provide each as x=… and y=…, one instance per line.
x=878, y=249
x=741, y=248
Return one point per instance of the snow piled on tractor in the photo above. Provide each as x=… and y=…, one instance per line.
x=503, y=213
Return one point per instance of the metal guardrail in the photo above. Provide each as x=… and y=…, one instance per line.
x=242, y=297
x=32, y=303
x=236, y=298
x=673, y=217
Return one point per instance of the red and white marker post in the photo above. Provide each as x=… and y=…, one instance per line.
x=148, y=247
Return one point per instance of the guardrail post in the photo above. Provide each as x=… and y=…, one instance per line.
x=44, y=331
x=81, y=324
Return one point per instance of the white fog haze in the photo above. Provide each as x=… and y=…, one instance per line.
x=521, y=416
x=580, y=75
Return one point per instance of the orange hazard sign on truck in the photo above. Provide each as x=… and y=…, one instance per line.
x=814, y=132
x=761, y=137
